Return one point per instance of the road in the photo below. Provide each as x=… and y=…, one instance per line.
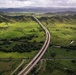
x=17, y=67
x=39, y=55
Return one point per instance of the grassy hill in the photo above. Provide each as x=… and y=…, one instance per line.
x=62, y=30
x=22, y=37
x=19, y=34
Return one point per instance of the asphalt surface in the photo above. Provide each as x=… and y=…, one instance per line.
x=17, y=67
x=39, y=55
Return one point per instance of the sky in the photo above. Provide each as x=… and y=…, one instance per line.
x=37, y=3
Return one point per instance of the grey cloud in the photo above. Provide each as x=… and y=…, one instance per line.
x=37, y=3
x=20, y=0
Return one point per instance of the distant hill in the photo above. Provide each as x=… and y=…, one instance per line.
x=37, y=9
x=6, y=18
x=58, y=18
x=67, y=12
x=62, y=12
x=23, y=18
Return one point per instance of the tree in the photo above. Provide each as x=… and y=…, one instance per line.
x=70, y=72
x=73, y=61
x=53, y=55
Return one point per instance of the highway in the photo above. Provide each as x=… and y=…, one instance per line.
x=39, y=55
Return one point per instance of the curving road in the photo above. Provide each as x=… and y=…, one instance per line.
x=37, y=58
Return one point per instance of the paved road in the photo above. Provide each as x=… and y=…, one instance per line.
x=17, y=67
x=37, y=58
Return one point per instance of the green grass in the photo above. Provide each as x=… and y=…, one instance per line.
x=6, y=67
x=61, y=32
x=18, y=55
x=68, y=63
x=20, y=29
x=57, y=67
x=60, y=53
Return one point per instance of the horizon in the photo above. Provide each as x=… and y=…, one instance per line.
x=46, y=8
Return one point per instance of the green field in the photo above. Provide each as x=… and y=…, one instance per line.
x=62, y=30
x=60, y=53
x=18, y=55
x=11, y=65
x=19, y=29
x=18, y=33
x=7, y=66
x=57, y=67
x=20, y=37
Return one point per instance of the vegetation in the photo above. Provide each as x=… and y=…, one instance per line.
x=19, y=34
x=60, y=53
x=62, y=29
x=63, y=46
x=57, y=67
x=7, y=66
x=22, y=37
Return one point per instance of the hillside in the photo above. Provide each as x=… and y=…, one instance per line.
x=58, y=18
x=22, y=18
x=22, y=37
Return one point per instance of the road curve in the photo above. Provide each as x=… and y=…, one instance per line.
x=39, y=55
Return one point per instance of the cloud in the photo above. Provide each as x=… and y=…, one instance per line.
x=37, y=3
x=21, y=0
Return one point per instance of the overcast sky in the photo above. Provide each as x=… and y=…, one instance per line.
x=37, y=3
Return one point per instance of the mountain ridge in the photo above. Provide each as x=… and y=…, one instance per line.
x=37, y=9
